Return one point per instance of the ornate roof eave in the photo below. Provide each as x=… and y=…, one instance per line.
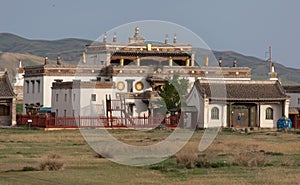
x=248, y=99
x=150, y=53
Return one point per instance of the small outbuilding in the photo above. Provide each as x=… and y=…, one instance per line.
x=238, y=103
x=7, y=101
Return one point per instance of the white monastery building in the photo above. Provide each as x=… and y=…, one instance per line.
x=122, y=79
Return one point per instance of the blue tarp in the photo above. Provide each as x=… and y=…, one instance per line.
x=284, y=123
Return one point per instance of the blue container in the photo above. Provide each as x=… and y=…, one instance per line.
x=284, y=123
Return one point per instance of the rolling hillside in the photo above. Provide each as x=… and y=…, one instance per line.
x=10, y=61
x=68, y=49
x=260, y=68
x=32, y=52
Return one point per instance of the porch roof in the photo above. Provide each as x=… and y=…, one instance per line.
x=242, y=90
x=6, y=90
x=293, y=110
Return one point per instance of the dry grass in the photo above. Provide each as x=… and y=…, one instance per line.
x=53, y=162
x=287, y=161
x=251, y=159
x=188, y=159
x=25, y=148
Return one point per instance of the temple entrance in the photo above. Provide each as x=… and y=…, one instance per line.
x=242, y=115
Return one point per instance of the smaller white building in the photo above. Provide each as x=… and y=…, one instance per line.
x=38, y=81
x=294, y=110
x=239, y=103
x=79, y=98
x=7, y=101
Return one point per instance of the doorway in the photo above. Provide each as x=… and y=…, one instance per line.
x=243, y=115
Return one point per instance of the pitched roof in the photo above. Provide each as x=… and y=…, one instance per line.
x=6, y=90
x=292, y=89
x=241, y=90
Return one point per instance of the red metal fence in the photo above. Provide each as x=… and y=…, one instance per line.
x=296, y=124
x=84, y=122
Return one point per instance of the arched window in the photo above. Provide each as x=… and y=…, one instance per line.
x=214, y=113
x=269, y=113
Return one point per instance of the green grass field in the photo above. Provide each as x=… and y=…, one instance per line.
x=275, y=159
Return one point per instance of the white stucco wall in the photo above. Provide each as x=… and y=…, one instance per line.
x=92, y=108
x=44, y=95
x=194, y=99
x=47, y=84
x=221, y=122
x=277, y=113
x=36, y=96
x=82, y=105
x=62, y=103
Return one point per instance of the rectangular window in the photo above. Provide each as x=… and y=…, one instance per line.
x=32, y=81
x=66, y=97
x=298, y=100
x=38, y=86
x=4, y=110
x=56, y=98
x=27, y=86
x=130, y=109
x=56, y=113
x=129, y=85
x=73, y=97
x=65, y=113
x=93, y=97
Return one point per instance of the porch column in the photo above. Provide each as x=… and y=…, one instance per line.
x=206, y=111
x=138, y=61
x=187, y=62
x=258, y=115
x=193, y=60
x=13, y=112
x=286, y=108
x=170, y=62
x=122, y=62
x=229, y=112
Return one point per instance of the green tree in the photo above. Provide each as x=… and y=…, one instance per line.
x=173, y=94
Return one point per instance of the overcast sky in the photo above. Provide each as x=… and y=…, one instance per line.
x=248, y=26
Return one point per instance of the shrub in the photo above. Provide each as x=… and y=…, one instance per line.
x=203, y=162
x=51, y=163
x=287, y=162
x=251, y=159
x=274, y=153
x=29, y=168
x=186, y=159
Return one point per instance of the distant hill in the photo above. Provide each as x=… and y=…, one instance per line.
x=259, y=67
x=10, y=61
x=69, y=49
x=32, y=52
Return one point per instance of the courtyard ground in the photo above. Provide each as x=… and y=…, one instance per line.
x=233, y=158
